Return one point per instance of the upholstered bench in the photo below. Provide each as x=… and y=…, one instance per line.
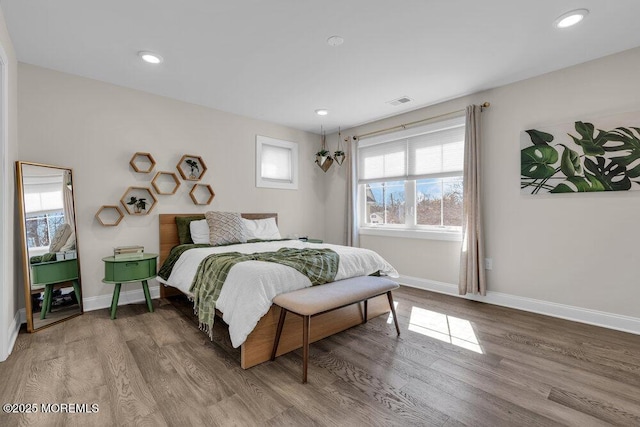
x=315, y=300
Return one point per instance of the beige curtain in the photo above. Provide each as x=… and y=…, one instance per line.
x=472, y=274
x=352, y=194
x=67, y=197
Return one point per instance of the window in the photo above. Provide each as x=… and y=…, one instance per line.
x=41, y=227
x=412, y=179
x=44, y=208
x=276, y=163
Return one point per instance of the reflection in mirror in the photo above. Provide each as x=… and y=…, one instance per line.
x=51, y=264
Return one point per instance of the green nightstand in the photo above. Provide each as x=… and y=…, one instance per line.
x=119, y=271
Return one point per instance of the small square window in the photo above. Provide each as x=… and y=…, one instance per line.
x=276, y=163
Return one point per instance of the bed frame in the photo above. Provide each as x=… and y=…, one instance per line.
x=257, y=348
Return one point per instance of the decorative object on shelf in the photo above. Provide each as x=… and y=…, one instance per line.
x=109, y=215
x=136, y=199
x=202, y=194
x=140, y=160
x=194, y=168
x=165, y=183
x=583, y=156
x=139, y=205
x=339, y=154
x=191, y=168
x=323, y=157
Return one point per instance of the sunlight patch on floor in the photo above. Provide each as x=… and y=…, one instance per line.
x=453, y=330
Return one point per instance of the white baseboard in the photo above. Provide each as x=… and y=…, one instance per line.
x=12, y=334
x=126, y=297
x=562, y=311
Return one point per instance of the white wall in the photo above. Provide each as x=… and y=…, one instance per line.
x=9, y=286
x=576, y=250
x=579, y=250
x=95, y=128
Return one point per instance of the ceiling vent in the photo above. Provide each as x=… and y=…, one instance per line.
x=400, y=101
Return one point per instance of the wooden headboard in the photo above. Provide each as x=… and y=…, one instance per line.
x=169, y=230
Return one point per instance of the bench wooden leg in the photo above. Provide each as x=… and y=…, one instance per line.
x=283, y=314
x=393, y=311
x=366, y=317
x=306, y=323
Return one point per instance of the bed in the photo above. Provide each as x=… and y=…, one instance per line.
x=256, y=347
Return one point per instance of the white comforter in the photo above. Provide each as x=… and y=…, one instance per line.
x=251, y=285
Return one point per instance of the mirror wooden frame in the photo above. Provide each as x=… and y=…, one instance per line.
x=26, y=266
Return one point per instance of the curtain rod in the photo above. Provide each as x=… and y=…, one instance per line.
x=405, y=125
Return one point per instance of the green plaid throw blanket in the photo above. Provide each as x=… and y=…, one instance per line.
x=319, y=265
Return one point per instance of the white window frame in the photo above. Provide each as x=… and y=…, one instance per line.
x=264, y=182
x=410, y=229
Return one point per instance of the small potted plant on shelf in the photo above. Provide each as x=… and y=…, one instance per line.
x=139, y=205
x=194, y=167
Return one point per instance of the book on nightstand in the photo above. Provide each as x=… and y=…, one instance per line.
x=128, y=252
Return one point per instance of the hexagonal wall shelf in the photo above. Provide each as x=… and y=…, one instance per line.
x=131, y=200
x=109, y=215
x=142, y=162
x=191, y=168
x=202, y=194
x=166, y=183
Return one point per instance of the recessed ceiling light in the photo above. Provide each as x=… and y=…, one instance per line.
x=150, y=57
x=335, y=41
x=322, y=112
x=570, y=19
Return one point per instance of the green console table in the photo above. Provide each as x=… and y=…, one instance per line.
x=119, y=271
x=49, y=275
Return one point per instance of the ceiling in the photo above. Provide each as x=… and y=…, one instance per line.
x=270, y=59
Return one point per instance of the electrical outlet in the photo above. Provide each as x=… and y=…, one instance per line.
x=488, y=263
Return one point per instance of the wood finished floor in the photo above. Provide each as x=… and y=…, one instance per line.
x=158, y=369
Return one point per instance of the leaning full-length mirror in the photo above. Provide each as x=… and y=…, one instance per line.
x=51, y=261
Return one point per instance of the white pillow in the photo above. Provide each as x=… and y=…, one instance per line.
x=71, y=243
x=199, y=231
x=263, y=229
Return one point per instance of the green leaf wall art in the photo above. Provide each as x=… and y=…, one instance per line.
x=584, y=156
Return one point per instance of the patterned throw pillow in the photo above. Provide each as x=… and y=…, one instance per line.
x=60, y=238
x=225, y=228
